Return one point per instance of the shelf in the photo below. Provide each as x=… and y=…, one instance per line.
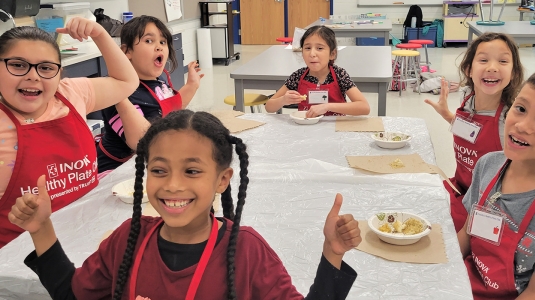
x=216, y=26
x=456, y=17
x=222, y=13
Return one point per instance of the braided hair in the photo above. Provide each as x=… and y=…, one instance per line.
x=210, y=127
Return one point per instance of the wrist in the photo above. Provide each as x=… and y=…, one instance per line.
x=333, y=258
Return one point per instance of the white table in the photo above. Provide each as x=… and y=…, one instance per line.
x=295, y=172
x=369, y=67
x=381, y=29
x=521, y=31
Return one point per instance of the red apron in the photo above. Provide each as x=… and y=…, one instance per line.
x=335, y=94
x=490, y=267
x=63, y=150
x=467, y=155
x=199, y=270
x=167, y=105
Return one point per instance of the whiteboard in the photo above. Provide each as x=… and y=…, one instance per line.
x=405, y=2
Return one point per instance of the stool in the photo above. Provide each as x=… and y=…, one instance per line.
x=408, y=63
x=250, y=100
x=285, y=40
x=408, y=46
x=424, y=43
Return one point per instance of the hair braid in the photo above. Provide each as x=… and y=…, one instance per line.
x=227, y=203
x=124, y=268
x=242, y=192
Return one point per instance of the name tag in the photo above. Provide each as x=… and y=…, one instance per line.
x=465, y=129
x=318, y=96
x=486, y=224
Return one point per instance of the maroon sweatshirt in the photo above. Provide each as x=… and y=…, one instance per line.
x=259, y=273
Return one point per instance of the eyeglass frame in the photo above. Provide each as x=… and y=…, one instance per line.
x=31, y=66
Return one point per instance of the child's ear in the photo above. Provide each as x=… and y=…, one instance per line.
x=224, y=180
x=468, y=73
x=333, y=54
x=126, y=51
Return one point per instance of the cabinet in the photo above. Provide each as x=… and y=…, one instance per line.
x=222, y=35
x=177, y=77
x=455, y=15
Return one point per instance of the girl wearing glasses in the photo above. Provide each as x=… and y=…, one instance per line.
x=42, y=117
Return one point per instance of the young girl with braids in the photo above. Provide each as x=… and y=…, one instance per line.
x=186, y=253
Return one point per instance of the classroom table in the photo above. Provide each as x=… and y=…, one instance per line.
x=521, y=31
x=369, y=67
x=522, y=12
x=295, y=172
x=353, y=30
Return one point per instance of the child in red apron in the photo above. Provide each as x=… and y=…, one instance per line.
x=224, y=260
x=492, y=72
x=43, y=127
x=148, y=44
x=497, y=240
x=321, y=87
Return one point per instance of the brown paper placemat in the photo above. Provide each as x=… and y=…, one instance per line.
x=428, y=250
x=359, y=124
x=227, y=113
x=233, y=124
x=381, y=164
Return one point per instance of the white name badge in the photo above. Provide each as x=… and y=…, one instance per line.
x=486, y=224
x=318, y=96
x=465, y=129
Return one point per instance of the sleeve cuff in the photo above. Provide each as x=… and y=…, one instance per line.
x=346, y=273
x=52, y=267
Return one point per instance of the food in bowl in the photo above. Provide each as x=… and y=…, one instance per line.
x=410, y=227
x=391, y=140
x=399, y=228
x=299, y=117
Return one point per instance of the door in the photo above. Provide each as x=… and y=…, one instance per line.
x=302, y=13
x=262, y=21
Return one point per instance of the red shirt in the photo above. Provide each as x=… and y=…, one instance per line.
x=259, y=273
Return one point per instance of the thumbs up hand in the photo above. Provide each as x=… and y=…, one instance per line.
x=342, y=233
x=31, y=211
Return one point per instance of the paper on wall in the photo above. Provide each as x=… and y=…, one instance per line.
x=172, y=10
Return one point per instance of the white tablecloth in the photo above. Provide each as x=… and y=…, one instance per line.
x=295, y=172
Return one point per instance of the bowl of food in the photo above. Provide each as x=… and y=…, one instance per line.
x=125, y=191
x=391, y=140
x=399, y=228
x=299, y=117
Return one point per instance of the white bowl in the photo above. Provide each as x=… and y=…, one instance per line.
x=125, y=191
x=299, y=117
x=391, y=140
x=397, y=238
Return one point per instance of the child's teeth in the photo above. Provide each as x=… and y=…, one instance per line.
x=518, y=142
x=176, y=203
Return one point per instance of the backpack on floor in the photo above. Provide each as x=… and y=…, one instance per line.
x=394, y=84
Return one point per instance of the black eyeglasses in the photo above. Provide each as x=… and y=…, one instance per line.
x=19, y=67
